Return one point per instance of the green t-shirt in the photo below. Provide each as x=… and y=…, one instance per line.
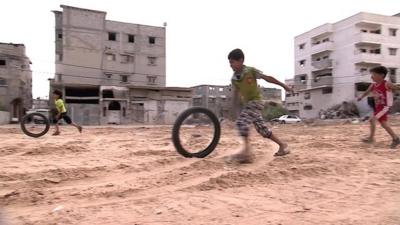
x=60, y=106
x=246, y=83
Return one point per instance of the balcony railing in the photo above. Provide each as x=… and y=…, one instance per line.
x=363, y=77
x=322, y=47
x=368, y=58
x=322, y=81
x=368, y=38
x=323, y=64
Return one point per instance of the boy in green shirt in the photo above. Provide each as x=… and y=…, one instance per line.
x=62, y=113
x=244, y=83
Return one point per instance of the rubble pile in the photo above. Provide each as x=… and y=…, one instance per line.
x=340, y=111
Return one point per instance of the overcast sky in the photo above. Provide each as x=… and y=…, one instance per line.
x=200, y=33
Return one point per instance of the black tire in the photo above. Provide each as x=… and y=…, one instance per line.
x=176, y=129
x=26, y=119
x=283, y=122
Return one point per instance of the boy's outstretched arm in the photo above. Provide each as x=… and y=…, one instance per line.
x=365, y=93
x=272, y=80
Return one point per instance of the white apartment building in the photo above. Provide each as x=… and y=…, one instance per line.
x=332, y=61
x=112, y=72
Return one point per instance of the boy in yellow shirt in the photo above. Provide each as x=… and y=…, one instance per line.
x=244, y=83
x=62, y=113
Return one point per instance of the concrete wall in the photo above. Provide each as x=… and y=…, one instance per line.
x=84, y=114
x=15, y=80
x=4, y=117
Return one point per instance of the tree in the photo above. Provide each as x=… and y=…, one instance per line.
x=273, y=110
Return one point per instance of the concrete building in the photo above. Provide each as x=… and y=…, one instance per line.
x=15, y=80
x=218, y=98
x=332, y=61
x=39, y=103
x=101, y=64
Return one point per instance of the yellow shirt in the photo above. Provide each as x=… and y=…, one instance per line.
x=60, y=106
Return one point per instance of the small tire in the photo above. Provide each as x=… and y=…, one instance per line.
x=176, y=131
x=25, y=120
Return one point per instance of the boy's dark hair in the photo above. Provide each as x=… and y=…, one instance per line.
x=58, y=92
x=379, y=70
x=236, y=54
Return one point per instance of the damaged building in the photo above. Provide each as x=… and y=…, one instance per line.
x=15, y=80
x=113, y=72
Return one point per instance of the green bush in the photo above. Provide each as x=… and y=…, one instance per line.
x=273, y=110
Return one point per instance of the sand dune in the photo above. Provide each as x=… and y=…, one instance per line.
x=132, y=175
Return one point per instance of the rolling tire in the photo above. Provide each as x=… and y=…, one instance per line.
x=25, y=120
x=176, y=133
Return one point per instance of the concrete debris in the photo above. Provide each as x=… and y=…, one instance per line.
x=340, y=111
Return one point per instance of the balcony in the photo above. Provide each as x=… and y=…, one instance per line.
x=368, y=38
x=363, y=77
x=368, y=58
x=322, y=81
x=323, y=64
x=322, y=47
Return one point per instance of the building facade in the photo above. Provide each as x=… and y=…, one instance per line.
x=15, y=80
x=332, y=61
x=217, y=98
x=101, y=64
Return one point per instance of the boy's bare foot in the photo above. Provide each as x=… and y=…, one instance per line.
x=56, y=133
x=368, y=140
x=395, y=142
x=283, y=150
x=242, y=158
x=80, y=129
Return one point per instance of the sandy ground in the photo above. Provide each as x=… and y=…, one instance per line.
x=132, y=175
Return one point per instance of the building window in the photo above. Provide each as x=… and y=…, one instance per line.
x=112, y=36
x=375, y=31
x=302, y=46
x=3, y=82
x=392, y=71
x=364, y=31
x=59, y=57
x=108, y=75
x=392, y=51
x=303, y=79
x=131, y=38
x=59, y=77
x=327, y=90
x=302, y=63
x=325, y=40
x=375, y=51
x=3, y=62
x=127, y=58
x=392, y=32
x=152, y=40
x=151, y=79
x=308, y=107
x=307, y=95
x=151, y=61
x=59, y=36
x=363, y=50
x=124, y=78
x=221, y=89
x=111, y=57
